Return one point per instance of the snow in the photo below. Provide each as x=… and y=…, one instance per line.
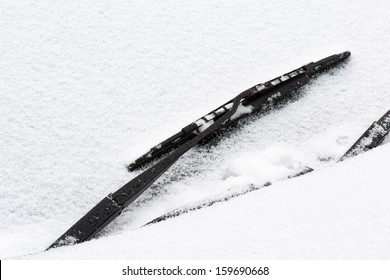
x=241, y=110
x=88, y=86
x=274, y=163
x=329, y=214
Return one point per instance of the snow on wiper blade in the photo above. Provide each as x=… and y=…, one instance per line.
x=261, y=97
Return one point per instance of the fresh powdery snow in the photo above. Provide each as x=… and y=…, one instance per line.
x=88, y=86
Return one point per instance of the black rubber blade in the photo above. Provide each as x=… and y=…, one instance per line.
x=371, y=138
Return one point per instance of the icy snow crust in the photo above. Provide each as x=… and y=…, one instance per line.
x=86, y=87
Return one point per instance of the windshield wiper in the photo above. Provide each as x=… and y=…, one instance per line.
x=251, y=100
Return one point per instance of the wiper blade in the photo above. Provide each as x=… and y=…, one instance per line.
x=255, y=98
x=371, y=138
x=260, y=98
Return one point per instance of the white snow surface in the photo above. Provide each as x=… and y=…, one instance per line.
x=88, y=86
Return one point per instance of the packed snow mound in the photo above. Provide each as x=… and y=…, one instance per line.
x=259, y=167
x=340, y=212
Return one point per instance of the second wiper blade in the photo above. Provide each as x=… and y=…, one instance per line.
x=371, y=138
x=260, y=98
